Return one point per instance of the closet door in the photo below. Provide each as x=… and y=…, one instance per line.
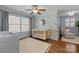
x=5, y=21
x=0, y=20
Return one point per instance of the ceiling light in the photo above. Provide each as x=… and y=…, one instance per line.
x=71, y=13
x=35, y=11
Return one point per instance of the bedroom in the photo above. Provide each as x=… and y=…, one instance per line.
x=17, y=23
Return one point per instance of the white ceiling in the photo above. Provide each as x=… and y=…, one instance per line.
x=59, y=7
x=18, y=7
x=21, y=8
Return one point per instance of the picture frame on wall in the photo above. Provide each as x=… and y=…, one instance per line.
x=43, y=22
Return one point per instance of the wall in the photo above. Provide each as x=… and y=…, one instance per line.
x=50, y=15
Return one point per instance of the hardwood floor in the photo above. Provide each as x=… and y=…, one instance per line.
x=62, y=47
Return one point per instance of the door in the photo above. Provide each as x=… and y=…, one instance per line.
x=67, y=23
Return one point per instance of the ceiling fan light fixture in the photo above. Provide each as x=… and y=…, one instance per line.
x=71, y=13
x=35, y=9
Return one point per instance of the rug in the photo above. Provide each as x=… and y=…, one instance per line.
x=31, y=45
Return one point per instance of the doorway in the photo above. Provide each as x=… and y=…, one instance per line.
x=67, y=30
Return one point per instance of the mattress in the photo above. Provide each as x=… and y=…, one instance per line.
x=7, y=35
x=9, y=43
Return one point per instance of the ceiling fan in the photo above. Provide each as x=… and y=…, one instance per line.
x=35, y=9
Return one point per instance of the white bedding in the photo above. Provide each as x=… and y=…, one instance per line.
x=7, y=35
x=9, y=42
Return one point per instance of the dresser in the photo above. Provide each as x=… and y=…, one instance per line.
x=40, y=33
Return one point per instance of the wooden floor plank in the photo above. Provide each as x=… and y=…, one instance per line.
x=59, y=46
x=63, y=47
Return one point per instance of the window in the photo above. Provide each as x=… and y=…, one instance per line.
x=70, y=22
x=18, y=24
x=67, y=22
x=25, y=24
x=14, y=23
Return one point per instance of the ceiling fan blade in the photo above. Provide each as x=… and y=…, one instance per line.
x=28, y=9
x=32, y=12
x=42, y=9
x=39, y=13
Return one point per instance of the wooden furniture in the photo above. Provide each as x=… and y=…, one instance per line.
x=40, y=33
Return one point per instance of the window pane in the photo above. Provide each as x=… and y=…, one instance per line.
x=14, y=28
x=72, y=22
x=67, y=22
x=14, y=23
x=14, y=19
x=25, y=20
x=18, y=23
x=25, y=28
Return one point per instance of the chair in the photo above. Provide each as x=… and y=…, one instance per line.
x=68, y=34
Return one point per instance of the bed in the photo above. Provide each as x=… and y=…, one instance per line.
x=9, y=42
